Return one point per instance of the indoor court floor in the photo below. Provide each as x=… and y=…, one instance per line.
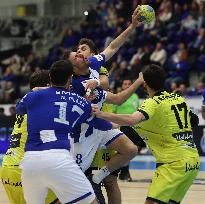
x=142, y=168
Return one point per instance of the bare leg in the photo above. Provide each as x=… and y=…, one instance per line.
x=112, y=189
x=94, y=202
x=126, y=151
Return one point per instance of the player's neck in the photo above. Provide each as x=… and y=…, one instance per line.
x=151, y=92
x=60, y=87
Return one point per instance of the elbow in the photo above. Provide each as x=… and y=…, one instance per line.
x=118, y=101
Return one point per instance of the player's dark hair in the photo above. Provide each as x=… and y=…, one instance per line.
x=154, y=76
x=66, y=55
x=39, y=78
x=60, y=72
x=90, y=44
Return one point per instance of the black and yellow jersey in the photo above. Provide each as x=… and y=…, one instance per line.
x=104, y=71
x=167, y=129
x=18, y=139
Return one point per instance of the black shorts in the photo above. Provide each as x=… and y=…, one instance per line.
x=133, y=136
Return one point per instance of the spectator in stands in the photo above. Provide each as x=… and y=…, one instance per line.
x=200, y=40
x=201, y=18
x=182, y=67
x=10, y=93
x=145, y=60
x=135, y=62
x=182, y=90
x=121, y=13
x=12, y=110
x=112, y=17
x=189, y=23
x=69, y=38
x=9, y=75
x=197, y=90
x=123, y=71
x=2, y=112
x=159, y=55
x=165, y=15
x=175, y=57
x=15, y=65
x=103, y=13
x=185, y=11
x=179, y=71
x=176, y=17
x=194, y=10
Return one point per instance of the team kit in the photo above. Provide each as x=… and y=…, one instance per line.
x=61, y=129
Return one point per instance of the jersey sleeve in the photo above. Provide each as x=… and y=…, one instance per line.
x=99, y=124
x=148, y=108
x=97, y=61
x=21, y=106
x=104, y=71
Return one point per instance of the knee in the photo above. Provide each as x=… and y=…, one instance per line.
x=132, y=151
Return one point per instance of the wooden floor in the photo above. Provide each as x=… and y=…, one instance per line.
x=135, y=192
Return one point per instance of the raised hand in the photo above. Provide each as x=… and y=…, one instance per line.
x=135, y=17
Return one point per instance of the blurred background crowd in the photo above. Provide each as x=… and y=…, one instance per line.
x=175, y=40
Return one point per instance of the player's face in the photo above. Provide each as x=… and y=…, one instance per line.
x=84, y=50
x=76, y=60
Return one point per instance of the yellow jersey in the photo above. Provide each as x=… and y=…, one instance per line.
x=18, y=139
x=167, y=129
x=104, y=71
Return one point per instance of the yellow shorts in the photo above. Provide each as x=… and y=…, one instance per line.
x=101, y=157
x=172, y=181
x=11, y=180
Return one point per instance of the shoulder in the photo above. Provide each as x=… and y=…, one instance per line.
x=104, y=71
x=150, y=101
x=98, y=58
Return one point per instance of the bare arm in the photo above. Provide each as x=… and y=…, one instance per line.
x=91, y=84
x=104, y=82
x=119, y=41
x=122, y=96
x=121, y=119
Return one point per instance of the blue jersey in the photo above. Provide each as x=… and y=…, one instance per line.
x=52, y=116
x=203, y=95
x=78, y=86
x=78, y=82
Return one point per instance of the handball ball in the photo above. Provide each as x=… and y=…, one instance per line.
x=147, y=14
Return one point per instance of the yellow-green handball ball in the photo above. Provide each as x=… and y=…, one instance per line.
x=147, y=14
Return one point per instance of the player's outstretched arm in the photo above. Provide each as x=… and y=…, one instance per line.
x=119, y=41
x=122, y=96
x=121, y=119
